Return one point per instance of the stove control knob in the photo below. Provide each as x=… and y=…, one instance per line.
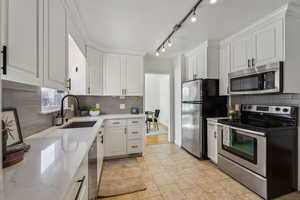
x=278, y=109
x=249, y=107
x=285, y=110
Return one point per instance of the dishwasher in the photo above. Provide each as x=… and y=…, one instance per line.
x=92, y=165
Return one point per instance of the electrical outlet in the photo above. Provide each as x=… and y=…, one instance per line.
x=98, y=105
x=122, y=106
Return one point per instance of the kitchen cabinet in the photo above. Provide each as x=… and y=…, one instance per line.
x=224, y=68
x=94, y=71
x=268, y=43
x=241, y=52
x=100, y=153
x=113, y=75
x=123, y=75
x=115, y=141
x=212, y=140
x=77, y=69
x=271, y=39
x=22, y=31
x=55, y=45
x=134, y=82
x=123, y=137
x=203, y=62
x=79, y=184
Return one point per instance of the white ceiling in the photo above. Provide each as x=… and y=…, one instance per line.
x=141, y=25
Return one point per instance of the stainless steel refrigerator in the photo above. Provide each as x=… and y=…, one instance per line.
x=200, y=100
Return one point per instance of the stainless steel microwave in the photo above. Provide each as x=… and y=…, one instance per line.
x=257, y=80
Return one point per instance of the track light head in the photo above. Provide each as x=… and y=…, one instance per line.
x=193, y=18
x=169, y=43
x=163, y=49
x=157, y=53
x=213, y=1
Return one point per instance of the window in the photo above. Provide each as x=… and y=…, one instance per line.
x=51, y=99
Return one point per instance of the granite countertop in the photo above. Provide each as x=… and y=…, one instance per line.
x=55, y=155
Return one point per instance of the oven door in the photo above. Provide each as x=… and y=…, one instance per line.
x=245, y=147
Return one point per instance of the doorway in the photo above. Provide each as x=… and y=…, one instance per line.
x=157, y=108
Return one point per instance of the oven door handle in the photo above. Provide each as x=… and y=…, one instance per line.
x=245, y=130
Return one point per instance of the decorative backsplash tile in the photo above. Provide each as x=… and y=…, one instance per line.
x=111, y=105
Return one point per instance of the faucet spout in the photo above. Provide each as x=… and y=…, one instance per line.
x=62, y=105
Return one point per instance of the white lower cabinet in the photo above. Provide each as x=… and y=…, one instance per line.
x=100, y=153
x=123, y=137
x=78, y=188
x=212, y=141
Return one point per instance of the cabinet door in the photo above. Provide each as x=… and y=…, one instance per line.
x=269, y=43
x=201, y=62
x=224, y=69
x=100, y=153
x=241, y=52
x=112, y=75
x=134, y=80
x=115, y=141
x=212, y=142
x=95, y=72
x=55, y=41
x=77, y=69
x=22, y=32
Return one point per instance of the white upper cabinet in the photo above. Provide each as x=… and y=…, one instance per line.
x=123, y=75
x=268, y=43
x=272, y=39
x=77, y=69
x=203, y=61
x=134, y=81
x=242, y=52
x=113, y=75
x=94, y=71
x=55, y=45
x=22, y=31
x=224, y=69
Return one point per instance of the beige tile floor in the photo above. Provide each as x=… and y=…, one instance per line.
x=172, y=174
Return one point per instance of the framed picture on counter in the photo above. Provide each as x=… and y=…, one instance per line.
x=11, y=125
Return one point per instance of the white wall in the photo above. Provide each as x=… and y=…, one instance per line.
x=157, y=95
x=178, y=74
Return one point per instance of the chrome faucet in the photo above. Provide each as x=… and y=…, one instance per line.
x=62, y=106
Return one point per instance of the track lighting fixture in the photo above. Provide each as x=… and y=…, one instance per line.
x=190, y=15
x=194, y=17
x=213, y=1
x=169, y=43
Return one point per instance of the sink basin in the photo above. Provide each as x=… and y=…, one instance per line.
x=82, y=124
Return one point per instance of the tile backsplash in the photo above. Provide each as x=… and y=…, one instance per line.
x=111, y=105
x=27, y=100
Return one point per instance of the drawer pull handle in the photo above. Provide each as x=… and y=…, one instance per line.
x=135, y=132
x=102, y=139
x=135, y=146
x=81, y=181
x=135, y=122
x=116, y=123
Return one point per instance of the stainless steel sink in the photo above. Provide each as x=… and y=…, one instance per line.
x=81, y=124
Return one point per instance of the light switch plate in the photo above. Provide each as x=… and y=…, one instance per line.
x=97, y=105
x=122, y=106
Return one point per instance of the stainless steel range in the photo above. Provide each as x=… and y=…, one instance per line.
x=260, y=150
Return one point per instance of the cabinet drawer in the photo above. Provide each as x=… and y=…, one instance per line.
x=115, y=123
x=135, y=146
x=135, y=122
x=135, y=132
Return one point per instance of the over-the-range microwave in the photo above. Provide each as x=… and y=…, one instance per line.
x=257, y=80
